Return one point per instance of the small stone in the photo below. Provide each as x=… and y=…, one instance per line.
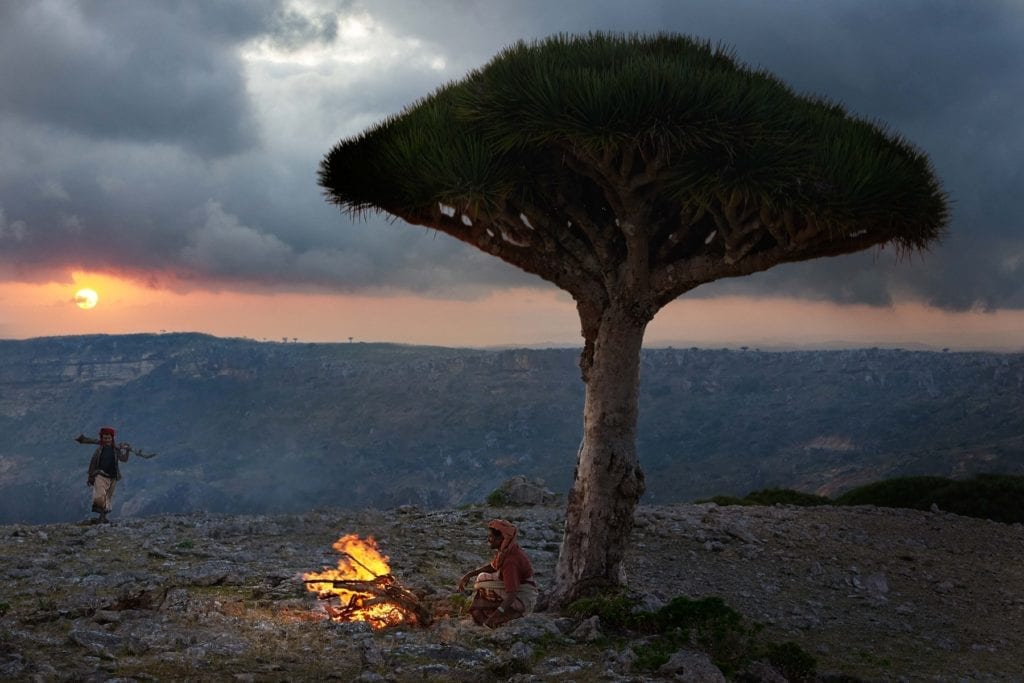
x=521, y=652
x=906, y=609
x=692, y=665
x=371, y=655
x=588, y=631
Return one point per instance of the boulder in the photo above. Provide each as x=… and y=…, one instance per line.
x=520, y=491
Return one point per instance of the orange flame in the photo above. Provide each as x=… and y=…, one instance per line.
x=361, y=561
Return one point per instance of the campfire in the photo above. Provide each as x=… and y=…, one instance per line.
x=365, y=588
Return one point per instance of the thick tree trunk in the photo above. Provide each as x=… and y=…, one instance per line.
x=608, y=481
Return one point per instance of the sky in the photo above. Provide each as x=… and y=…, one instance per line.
x=164, y=153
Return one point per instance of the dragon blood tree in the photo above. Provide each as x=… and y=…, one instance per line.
x=628, y=170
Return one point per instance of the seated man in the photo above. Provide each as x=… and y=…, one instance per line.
x=504, y=589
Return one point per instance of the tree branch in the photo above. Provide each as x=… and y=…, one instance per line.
x=671, y=280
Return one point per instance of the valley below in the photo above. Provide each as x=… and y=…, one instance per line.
x=247, y=427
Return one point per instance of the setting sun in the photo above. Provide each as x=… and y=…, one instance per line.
x=86, y=298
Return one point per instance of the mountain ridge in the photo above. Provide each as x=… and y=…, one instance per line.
x=251, y=427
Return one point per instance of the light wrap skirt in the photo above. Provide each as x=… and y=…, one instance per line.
x=490, y=587
x=103, y=493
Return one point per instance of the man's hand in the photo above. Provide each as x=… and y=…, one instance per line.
x=464, y=580
x=90, y=481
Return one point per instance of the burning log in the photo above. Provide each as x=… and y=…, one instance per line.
x=384, y=598
x=365, y=588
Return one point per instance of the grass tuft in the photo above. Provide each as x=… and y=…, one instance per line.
x=708, y=624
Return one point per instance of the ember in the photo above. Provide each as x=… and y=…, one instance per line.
x=365, y=588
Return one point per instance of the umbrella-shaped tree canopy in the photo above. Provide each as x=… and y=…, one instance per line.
x=559, y=157
x=628, y=170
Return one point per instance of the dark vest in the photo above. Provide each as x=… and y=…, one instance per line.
x=108, y=461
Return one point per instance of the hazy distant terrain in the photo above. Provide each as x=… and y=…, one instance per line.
x=244, y=426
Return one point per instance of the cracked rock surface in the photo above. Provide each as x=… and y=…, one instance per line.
x=874, y=594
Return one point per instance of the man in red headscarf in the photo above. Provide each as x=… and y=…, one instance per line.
x=504, y=589
x=105, y=471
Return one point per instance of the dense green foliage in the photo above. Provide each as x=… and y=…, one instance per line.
x=772, y=497
x=617, y=612
x=792, y=661
x=628, y=170
x=497, y=498
x=989, y=496
x=693, y=126
x=709, y=624
x=997, y=497
x=902, y=492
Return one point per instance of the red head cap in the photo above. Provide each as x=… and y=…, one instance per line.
x=107, y=430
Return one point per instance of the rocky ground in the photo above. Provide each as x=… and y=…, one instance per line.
x=874, y=594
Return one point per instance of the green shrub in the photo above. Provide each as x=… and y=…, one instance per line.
x=771, y=497
x=999, y=497
x=497, y=498
x=785, y=497
x=615, y=612
x=988, y=496
x=710, y=624
x=460, y=605
x=650, y=656
x=792, y=661
x=902, y=492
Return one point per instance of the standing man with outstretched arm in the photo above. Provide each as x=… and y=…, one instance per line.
x=105, y=471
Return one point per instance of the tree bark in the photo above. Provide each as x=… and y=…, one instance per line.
x=608, y=480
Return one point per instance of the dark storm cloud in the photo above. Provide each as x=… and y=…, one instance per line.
x=136, y=133
x=147, y=72
x=943, y=74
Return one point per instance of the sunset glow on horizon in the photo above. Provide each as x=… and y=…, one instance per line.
x=212, y=219
x=513, y=317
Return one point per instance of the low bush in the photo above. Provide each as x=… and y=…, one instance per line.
x=708, y=624
x=999, y=497
x=996, y=497
x=771, y=497
x=902, y=492
x=712, y=626
x=792, y=661
x=615, y=611
x=785, y=497
x=497, y=498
